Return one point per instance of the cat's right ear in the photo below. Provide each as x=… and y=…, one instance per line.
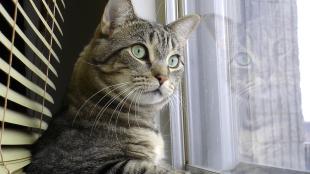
x=210, y=21
x=116, y=14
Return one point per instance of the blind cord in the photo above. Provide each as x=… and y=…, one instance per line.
x=8, y=86
x=47, y=68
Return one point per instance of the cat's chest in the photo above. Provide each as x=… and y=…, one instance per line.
x=147, y=143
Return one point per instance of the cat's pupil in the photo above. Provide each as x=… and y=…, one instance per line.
x=172, y=61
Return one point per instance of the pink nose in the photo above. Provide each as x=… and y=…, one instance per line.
x=161, y=79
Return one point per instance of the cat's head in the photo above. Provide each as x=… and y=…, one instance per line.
x=140, y=59
x=252, y=60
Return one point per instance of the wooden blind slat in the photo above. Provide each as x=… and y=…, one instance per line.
x=23, y=59
x=11, y=154
x=18, y=126
x=22, y=119
x=24, y=81
x=34, y=28
x=63, y=3
x=59, y=12
x=14, y=167
x=16, y=137
x=45, y=23
x=5, y=91
x=24, y=101
x=25, y=38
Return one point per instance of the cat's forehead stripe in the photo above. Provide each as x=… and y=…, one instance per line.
x=156, y=34
x=162, y=40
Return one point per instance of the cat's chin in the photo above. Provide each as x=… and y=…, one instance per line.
x=158, y=96
x=152, y=97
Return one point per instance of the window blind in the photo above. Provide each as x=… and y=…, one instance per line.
x=30, y=33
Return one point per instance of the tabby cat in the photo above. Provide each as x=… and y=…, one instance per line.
x=123, y=78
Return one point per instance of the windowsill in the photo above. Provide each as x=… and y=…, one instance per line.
x=199, y=170
x=246, y=168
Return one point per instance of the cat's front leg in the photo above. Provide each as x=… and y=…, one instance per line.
x=137, y=167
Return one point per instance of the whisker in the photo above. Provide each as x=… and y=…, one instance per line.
x=246, y=89
x=92, y=110
x=177, y=97
x=134, y=97
x=88, y=99
x=86, y=62
x=123, y=101
x=99, y=115
x=119, y=104
x=110, y=119
x=140, y=94
x=173, y=104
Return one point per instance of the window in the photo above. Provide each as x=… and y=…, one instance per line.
x=245, y=94
x=29, y=44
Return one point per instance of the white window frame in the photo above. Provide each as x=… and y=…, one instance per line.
x=228, y=142
x=175, y=9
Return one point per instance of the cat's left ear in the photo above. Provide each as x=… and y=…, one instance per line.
x=117, y=13
x=185, y=26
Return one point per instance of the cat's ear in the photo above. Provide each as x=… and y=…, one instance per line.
x=210, y=20
x=185, y=26
x=116, y=13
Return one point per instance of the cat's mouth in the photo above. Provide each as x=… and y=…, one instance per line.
x=154, y=91
x=157, y=91
x=160, y=91
x=152, y=97
x=151, y=88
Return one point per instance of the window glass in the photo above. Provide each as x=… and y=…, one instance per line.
x=247, y=85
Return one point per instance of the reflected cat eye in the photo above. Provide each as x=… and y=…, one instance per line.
x=243, y=59
x=173, y=61
x=138, y=51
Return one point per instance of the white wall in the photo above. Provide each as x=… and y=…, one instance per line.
x=145, y=9
x=304, y=54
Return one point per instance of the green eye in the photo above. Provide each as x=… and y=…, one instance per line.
x=173, y=61
x=138, y=51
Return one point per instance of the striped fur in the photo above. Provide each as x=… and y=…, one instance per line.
x=113, y=98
